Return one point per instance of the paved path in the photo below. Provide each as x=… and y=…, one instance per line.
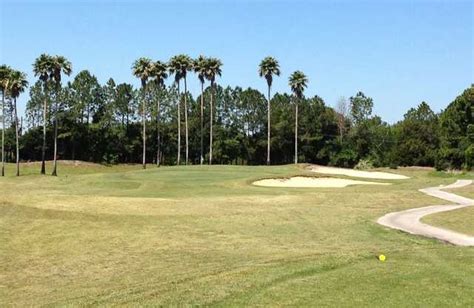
x=409, y=220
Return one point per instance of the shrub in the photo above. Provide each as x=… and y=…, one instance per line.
x=449, y=158
x=346, y=158
x=469, y=154
x=364, y=164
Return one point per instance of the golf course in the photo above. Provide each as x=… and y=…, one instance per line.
x=250, y=153
x=206, y=235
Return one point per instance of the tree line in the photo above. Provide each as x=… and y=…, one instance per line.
x=117, y=123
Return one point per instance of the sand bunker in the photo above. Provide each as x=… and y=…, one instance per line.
x=359, y=174
x=301, y=181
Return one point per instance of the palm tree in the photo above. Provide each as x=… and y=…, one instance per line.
x=213, y=69
x=159, y=73
x=179, y=66
x=5, y=72
x=267, y=68
x=16, y=85
x=174, y=68
x=43, y=69
x=200, y=70
x=298, y=82
x=60, y=65
x=142, y=68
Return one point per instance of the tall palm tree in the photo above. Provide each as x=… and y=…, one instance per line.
x=5, y=72
x=179, y=66
x=298, y=82
x=43, y=69
x=174, y=68
x=213, y=69
x=200, y=70
x=60, y=65
x=159, y=73
x=16, y=85
x=267, y=68
x=142, y=68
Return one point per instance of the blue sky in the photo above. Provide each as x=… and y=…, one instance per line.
x=398, y=52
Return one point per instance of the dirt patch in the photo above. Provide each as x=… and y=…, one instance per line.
x=301, y=181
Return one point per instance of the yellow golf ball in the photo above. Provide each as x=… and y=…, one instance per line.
x=382, y=258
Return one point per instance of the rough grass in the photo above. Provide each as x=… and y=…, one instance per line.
x=460, y=220
x=466, y=191
x=204, y=235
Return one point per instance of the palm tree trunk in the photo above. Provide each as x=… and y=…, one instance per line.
x=202, y=122
x=3, y=133
x=144, y=126
x=179, y=129
x=17, y=141
x=268, y=128
x=158, y=148
x=186, y=117
x=43, y=148
x=211, y=120
x=73, y=152
x=55, y=161
x=296, y=132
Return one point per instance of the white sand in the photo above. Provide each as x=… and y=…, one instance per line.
x=358, y=174
x=301, y=181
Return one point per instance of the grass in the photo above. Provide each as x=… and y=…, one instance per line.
x=460, y=220
x=205, y=236
x=466, y=191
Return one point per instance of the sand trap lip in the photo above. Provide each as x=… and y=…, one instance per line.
x=358, y=173
x=308, y=182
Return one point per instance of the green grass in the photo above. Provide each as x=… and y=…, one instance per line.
x=460, y=220
x=204, y=235
x=466, y=191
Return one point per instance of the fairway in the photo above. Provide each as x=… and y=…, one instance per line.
x=195, y=235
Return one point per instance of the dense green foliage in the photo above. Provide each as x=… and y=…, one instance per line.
x=104, y=123
x=457, y=133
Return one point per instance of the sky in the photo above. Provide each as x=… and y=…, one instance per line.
x=400, y=53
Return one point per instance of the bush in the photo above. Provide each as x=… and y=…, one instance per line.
x=449, y=158
x=364, y=164
x=346, y=158
x=393, y=165
x=469, y=157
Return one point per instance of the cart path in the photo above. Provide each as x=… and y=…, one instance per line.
x=409, y=220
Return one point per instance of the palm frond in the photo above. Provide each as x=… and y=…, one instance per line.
x=268, y=68
x=298, y=82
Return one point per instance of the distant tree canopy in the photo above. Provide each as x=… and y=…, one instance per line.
x=417, y=137
x=103, y=123
x=457, y=133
